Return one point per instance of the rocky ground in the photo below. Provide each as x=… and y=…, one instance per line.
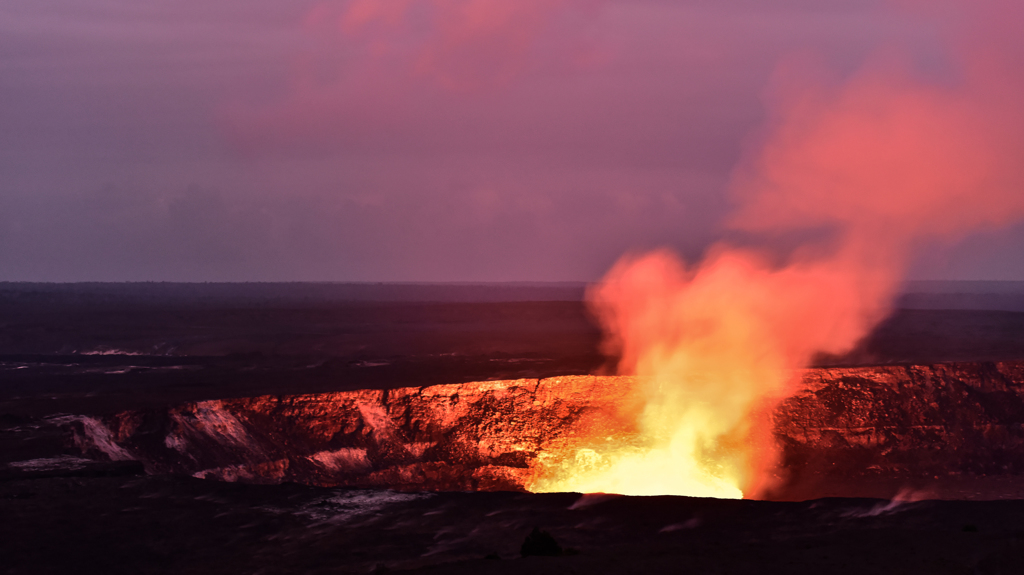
x=153, y=524
x=67, y=360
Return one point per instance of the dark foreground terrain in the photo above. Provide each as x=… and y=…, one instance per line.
x=99, y=349
x=149, y=524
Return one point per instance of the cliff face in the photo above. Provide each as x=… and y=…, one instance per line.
x=896, y=421
x=907, y=421
x=472, y=436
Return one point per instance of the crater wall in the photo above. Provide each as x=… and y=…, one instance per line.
x=897, y=422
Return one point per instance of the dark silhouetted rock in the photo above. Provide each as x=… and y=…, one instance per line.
x=540, y=544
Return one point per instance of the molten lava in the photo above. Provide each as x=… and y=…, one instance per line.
x=872, y=169
x=716, y=346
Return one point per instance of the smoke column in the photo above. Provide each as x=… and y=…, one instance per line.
x=876, y=165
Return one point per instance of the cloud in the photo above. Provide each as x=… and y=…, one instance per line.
x=572, y=81
x=596, y=125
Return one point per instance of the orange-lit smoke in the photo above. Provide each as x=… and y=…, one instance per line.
x=464, y=45
x=882, y=163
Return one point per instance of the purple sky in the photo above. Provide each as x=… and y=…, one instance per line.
x=403, y=140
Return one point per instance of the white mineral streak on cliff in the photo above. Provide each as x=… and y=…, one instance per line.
x=376, y=418
x=344, y=459
x=93, y=435
x=210, y=418
x=175, y=442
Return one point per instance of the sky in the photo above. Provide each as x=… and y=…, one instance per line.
x=412, y=140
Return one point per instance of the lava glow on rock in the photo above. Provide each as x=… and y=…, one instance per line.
x=716, y=347
x=883, y=163
x=869, y=169
x=851, y=425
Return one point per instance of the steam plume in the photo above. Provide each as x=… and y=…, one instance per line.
x=883, y=162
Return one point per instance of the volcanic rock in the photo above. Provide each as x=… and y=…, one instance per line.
x=901, y=422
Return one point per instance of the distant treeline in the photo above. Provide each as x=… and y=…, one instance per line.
x=971, y=295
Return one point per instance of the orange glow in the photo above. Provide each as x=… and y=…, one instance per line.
x=716, y=346
x=878, y=166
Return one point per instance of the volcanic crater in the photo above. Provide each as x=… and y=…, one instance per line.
x=853, y=431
